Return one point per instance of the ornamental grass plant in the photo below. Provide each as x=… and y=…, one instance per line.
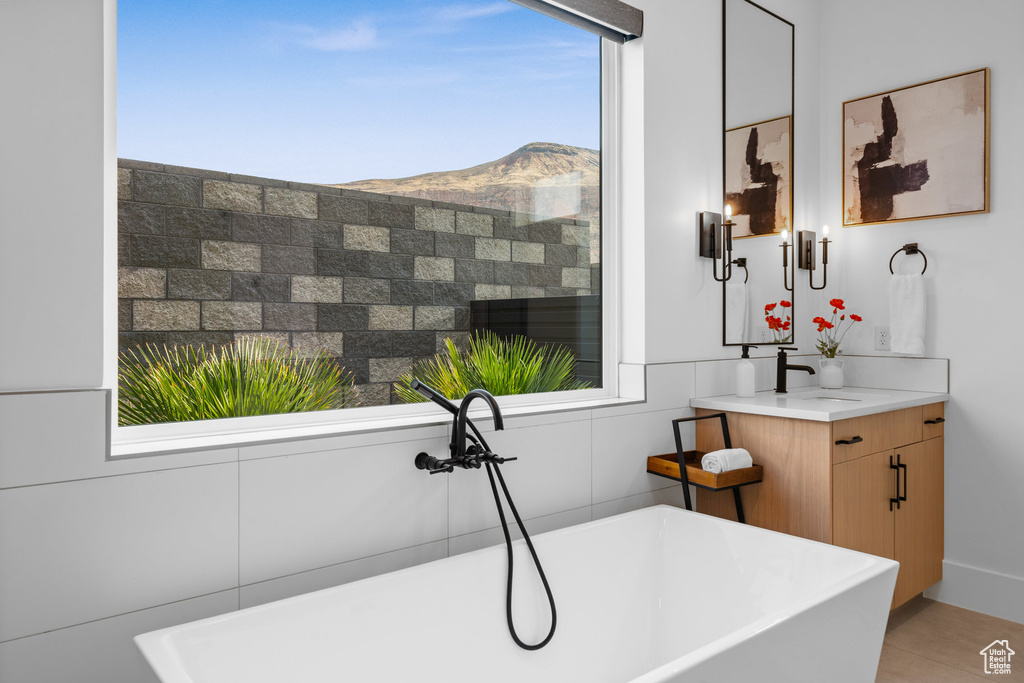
x=516, y=365
x=252, y=376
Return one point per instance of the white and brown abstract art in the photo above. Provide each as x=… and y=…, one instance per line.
x=917, y=152
x=758, y=177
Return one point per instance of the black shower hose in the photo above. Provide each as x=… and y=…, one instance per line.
x=491, y=471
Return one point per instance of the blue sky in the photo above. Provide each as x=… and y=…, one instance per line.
x=341, y=90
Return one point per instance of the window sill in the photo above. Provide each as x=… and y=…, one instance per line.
x=261, y=430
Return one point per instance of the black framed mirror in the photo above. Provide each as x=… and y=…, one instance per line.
x=758, y=95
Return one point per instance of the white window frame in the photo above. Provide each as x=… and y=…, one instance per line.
x=233, y=432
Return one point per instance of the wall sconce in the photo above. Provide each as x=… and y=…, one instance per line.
x=786, y=248
x=824, y=258
x=803, y=255
x=716, y=241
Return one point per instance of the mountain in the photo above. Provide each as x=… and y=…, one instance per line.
x=541, y=178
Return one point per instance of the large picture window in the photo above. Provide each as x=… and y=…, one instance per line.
x=318, y=200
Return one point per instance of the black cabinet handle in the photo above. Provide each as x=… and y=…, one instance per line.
x=897, y=499
x=903, y=466
x=847, y=442
x=936, y=421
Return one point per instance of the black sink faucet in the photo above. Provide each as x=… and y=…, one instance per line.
x=782, y=366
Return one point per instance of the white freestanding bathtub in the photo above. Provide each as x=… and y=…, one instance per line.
x=659, y=594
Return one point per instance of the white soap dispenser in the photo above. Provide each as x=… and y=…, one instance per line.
x=745, y=374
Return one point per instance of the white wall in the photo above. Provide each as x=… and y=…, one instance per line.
x=973, y=277
x=682, y=170
x=92, y=552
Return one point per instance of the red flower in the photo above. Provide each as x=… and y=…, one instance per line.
x=854, y=316
x=825, y=325
x=785, y=325
x=774, y=323
x=769, y=307
x=785, y=304
x=837, y=303
x=818, y=320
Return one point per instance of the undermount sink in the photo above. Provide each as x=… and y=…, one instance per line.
x=828, y=395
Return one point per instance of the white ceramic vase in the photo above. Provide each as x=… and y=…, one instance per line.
x=831, y=373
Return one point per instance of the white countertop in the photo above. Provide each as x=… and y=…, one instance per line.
x=821, y=405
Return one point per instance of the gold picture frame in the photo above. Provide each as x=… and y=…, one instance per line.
x=917, y=152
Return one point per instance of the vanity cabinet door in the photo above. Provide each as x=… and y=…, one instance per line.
x=861, y=490
x=919, y=521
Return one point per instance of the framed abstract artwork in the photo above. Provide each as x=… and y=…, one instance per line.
x=759, y=177
x=917, y=152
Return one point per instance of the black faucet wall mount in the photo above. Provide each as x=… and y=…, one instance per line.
x=461, y=455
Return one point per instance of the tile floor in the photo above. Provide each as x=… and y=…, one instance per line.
x=933, y=642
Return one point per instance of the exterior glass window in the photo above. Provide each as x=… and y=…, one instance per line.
x=317, y=199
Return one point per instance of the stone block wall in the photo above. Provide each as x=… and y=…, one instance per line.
x=378, y=281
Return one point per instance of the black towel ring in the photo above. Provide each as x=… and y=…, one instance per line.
x=910, y=249
x=742, y=263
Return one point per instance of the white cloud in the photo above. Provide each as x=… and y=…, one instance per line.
x=359, y=35
x=466, y=12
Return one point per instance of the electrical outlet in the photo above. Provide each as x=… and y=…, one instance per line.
x=882, y=338
x=764, y=336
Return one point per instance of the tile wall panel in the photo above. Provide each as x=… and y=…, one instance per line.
x=669, y=496
x=552, y=474
x=539, y=525
x=102, y=651
x=33, y=451
x=335, y=575
x=621, y=447
x=85, y=550
x=313, y=510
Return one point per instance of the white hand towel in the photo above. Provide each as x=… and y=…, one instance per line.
x=907, y=314
x=725, y=460
x=735, y=311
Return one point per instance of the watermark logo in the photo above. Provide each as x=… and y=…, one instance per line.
x=997, y=657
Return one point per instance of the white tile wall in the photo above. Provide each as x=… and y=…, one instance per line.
x=718, y=377
x=333, y=443
x=668, y=496
x=668, y=385
x=335, y=575
x=312, y=510
x=33, y=452
x=621, y=447
x=74, y=552
x=894, y=372
x=552, y=474
x=488, y=537
x=102, y=651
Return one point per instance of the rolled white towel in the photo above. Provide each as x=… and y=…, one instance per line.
x=725, y=460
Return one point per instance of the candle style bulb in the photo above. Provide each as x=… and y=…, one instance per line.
x=785, y=236
x=824, y=231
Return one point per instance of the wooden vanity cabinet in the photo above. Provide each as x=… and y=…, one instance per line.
x=836, y=482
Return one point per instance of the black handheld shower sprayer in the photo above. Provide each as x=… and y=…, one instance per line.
x=472, y=457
